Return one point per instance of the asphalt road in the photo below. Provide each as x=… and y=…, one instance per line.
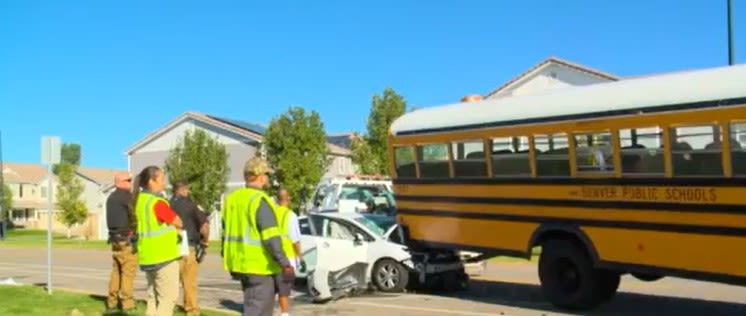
x=504, y=289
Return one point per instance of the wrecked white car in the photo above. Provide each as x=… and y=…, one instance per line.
x=353, y=251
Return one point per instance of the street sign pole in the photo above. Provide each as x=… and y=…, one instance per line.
x=50, y=154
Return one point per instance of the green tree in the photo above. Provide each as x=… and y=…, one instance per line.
x=70, y=154
x=201, y=161
x=296, y=149
x=362, y=155
x=7, y=202
x=70, y=188
x=384, y=110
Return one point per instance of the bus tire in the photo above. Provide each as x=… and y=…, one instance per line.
x=610, y=285
x=568, y=278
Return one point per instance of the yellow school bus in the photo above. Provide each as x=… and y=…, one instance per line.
x=644, y=176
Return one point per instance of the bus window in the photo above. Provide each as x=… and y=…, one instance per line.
x=404, y=162
x=433, y=161
x=695, y=150
x=737, y=152
x=641, y=151
x=468, y=159
x=551, y=155
x=593, y=152
x=510, y=156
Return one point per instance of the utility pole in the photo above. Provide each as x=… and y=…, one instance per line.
x=730, y=33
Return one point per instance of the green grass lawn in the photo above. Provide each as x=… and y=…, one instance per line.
x=34, y=301
x=38, y=238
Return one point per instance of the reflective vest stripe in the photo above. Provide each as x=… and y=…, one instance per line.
x=269, y=233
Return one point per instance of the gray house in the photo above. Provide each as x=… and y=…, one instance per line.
x=241, y=140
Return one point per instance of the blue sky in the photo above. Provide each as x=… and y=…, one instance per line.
x=106, y=73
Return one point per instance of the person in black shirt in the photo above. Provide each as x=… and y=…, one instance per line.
x=195, y=224
x=121, y=222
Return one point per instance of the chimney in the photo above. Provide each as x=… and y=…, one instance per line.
x=471, y=98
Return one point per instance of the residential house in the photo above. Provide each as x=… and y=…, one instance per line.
x=29, y=185
x=241, y=140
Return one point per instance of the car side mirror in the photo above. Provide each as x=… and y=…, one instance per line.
x=359, y=239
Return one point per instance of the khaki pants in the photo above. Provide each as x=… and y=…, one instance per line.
x=122, y=278
x=163, y=290
x=188, y=267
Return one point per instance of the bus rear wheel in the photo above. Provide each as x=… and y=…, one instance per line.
x=568, y=278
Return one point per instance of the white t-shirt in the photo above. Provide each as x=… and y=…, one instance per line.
x=294, y=234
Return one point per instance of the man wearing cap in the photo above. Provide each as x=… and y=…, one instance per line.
x=121, y=223
x=252, y=249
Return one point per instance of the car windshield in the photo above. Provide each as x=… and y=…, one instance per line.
x=378, y=224
x=378, y=194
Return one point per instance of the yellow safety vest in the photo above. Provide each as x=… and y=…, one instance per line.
x=156, y=242
x=284, y=221
x=242, y=241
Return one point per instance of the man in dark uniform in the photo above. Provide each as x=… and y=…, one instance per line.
x=195, y=224
x=121, y=223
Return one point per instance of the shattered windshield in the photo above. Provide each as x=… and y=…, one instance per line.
x=378, y=224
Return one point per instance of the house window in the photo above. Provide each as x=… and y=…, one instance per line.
x=43, y=192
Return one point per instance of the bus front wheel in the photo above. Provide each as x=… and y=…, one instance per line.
x=568, y=278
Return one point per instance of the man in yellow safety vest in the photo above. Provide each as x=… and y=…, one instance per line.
x=252, y=242
x=290, y=230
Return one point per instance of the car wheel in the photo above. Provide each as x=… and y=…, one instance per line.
x=390, y=276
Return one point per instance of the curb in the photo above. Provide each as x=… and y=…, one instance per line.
x=78, y=291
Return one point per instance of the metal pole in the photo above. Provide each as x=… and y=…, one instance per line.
x=49, y=225
x=730, y=33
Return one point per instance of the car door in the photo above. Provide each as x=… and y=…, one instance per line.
x=337, y=245
x=329, y=242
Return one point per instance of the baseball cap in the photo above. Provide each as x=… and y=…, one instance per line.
x=256, y=166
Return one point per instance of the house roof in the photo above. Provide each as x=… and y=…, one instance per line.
x=23, y=172
x=102, y=177
x=343, y=140
x=546, y=63
x=35, y=173
x=233, y=127
x=250, y=130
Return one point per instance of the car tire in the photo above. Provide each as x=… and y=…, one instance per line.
x=390, y=276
